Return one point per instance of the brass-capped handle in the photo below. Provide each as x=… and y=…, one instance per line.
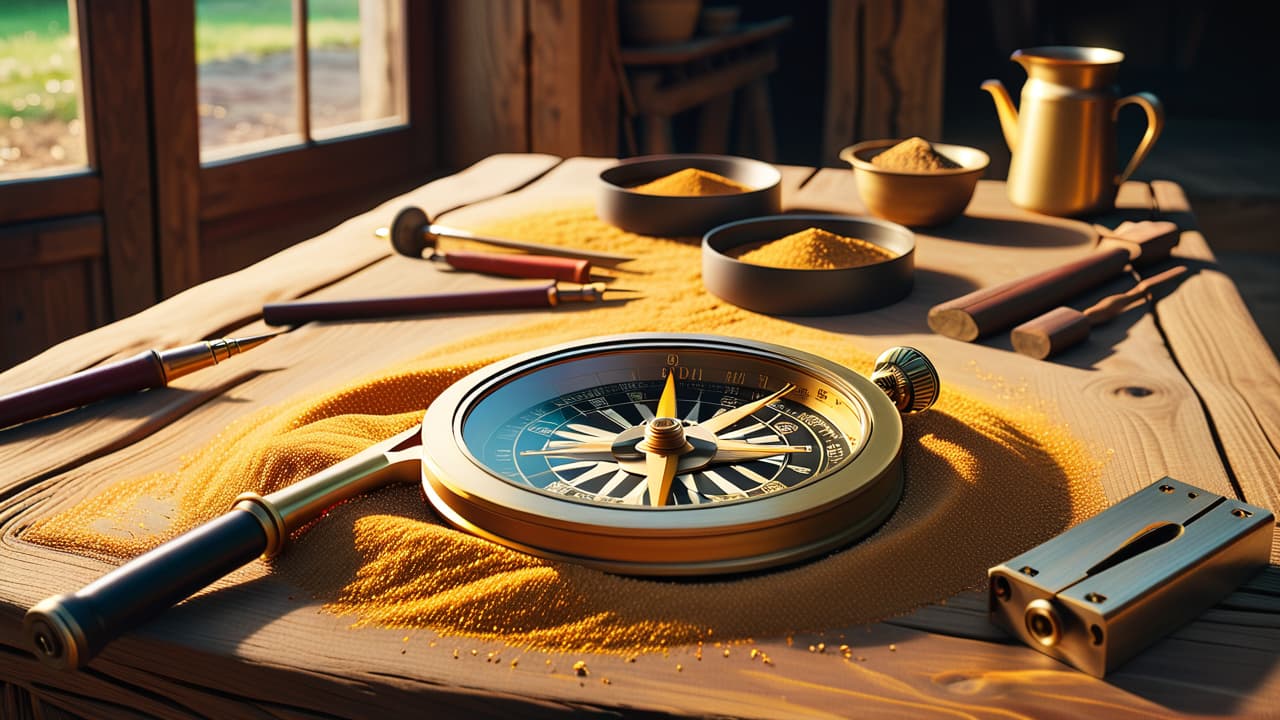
x=908, y=378
x=408, y=232
x=1155, y=124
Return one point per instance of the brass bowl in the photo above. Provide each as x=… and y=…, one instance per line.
x=915, y=199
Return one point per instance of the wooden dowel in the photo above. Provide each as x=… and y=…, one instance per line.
x=1063, y=327
x=989, y=310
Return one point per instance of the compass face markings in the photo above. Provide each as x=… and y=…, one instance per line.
x=637, y=495
x=599, y=413
x=591, y=430
x=617, y=418
x=619, y=477
x=693, y=412
x=735, y=434
x=577, y=437
x=597, y=469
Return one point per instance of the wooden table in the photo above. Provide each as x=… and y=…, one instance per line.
x=1189, y=390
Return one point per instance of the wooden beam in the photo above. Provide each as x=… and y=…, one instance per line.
x=298, y=173
x=121, y=127
x=484, y=79
x=573, y=86
x=885, y=71
x=176, y=143
x=903, y=49
x=31, y=199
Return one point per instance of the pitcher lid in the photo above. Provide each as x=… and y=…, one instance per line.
x=1069, y=54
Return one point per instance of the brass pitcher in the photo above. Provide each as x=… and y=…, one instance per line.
x=1064, y=144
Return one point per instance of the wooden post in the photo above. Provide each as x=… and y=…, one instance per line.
x=484, y=80
x=121, y=128
x=382, y=62
x=574, y=94
x=886, y=71
x=172, y=28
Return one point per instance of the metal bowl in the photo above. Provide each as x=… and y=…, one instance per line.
x=916, y=199
x=788, y=291
x=685, y=215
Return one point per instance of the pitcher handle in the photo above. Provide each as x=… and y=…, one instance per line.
x=1155, y=124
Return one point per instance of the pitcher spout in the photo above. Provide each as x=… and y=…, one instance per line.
x=1005, y=109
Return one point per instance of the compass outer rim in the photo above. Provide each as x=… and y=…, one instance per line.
x=542, y=524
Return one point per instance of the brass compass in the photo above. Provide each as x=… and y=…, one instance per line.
x=660, y=454
x=644, y=454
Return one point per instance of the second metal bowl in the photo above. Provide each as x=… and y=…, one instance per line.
x=788, y=291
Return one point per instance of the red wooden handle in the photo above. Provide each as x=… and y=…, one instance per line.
x=522, y=266
x=297, y=313
x=139, y=372
x=992, y=309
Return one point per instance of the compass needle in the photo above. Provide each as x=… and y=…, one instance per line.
x=661, y=471
x=726, y=419
x=733, y=450
x=667, y=403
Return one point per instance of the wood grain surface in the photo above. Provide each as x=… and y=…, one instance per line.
x=1185, y=389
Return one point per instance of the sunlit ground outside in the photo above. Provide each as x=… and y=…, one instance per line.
x=41, y=127
x=246, y=81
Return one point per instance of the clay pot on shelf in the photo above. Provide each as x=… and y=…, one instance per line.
x=658, y=22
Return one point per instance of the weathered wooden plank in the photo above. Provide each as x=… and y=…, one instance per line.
x=46, y=243
x=242, y=185
x=903, y=46
x=844, y=79
x=121, y=126
x=573, y=86
x=176, y=144
x=1219, y=347
x=484, y=88
x=76, y=193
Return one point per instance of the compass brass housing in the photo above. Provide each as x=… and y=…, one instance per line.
x=832, y=508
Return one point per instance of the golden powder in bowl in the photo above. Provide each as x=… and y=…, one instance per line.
x=913, y=155
x=814, y=249
x=692, y=181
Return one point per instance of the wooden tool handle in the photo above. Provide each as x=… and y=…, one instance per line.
x=66, y=631
x=521, y=266
x=139, y=372
x=297, y=313
x=993, y=309
x=1112, y=305
x=1063, y=327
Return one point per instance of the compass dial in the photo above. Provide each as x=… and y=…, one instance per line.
x=665, y=453
x=526, y=449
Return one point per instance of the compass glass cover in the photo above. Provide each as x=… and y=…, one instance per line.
x=575, y=427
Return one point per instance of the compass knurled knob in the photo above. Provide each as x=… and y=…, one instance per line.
x=907, y=377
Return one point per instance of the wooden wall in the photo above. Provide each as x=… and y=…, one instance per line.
x=885, y=71
x=526, y=76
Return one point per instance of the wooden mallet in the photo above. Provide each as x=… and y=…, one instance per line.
x=1063, y=327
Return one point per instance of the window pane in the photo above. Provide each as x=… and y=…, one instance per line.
x=356, y=58
x=41, y=125
x=246, y=76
